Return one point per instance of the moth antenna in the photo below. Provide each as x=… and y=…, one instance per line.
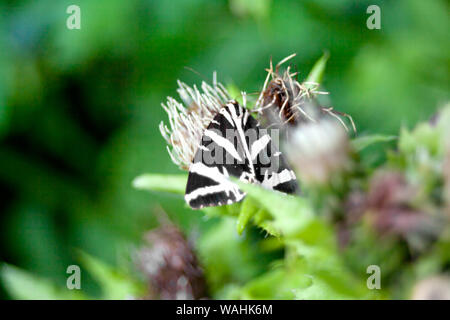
x=196, y=72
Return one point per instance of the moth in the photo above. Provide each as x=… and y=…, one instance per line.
x=233, y=144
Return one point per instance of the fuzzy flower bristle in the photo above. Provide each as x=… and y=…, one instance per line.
x=293, y=99
x=188, y=120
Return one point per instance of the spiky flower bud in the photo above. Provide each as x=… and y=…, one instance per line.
x=284, y=99
x=170, y=265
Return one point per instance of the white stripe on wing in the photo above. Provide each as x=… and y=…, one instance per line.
x=278, y=178
x=223, y=143
x=259, y=145
x=213, y=173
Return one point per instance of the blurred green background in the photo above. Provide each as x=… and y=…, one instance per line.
x=79, y=109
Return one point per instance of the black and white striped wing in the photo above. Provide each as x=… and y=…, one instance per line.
x=233, y=145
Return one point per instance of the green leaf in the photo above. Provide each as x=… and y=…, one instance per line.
x=248, y=210
x=228, y=258
x=114, y=284
x=270, y=228
x=361, y=143
x=160, y=182
x=291, y=214
x=320, y=290
x=23, y=285
x=264, y=220
x=229, y=210
x=318, y=70
x=279, y=283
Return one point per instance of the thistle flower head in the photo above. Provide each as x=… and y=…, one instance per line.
x=188, y=119
x=286, y=100
x=391, y=211
x=318, y=151
x=170, y=265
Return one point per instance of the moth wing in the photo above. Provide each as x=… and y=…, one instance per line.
x=271, y=168
x=219, y=156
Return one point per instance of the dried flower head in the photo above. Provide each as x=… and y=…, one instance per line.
x=188, y=120
x=389, y=205
x=286, y=100
x=170, y=265
x=318, y=151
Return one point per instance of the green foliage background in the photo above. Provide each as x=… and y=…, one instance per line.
x=79, y=112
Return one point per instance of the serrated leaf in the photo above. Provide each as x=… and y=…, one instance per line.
x=270, y=228
x=291, y=214
x=160, y=182
x=361, y=143
x=23, y=285
x=264, y=220
x=317, y=71
x=261, y=216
